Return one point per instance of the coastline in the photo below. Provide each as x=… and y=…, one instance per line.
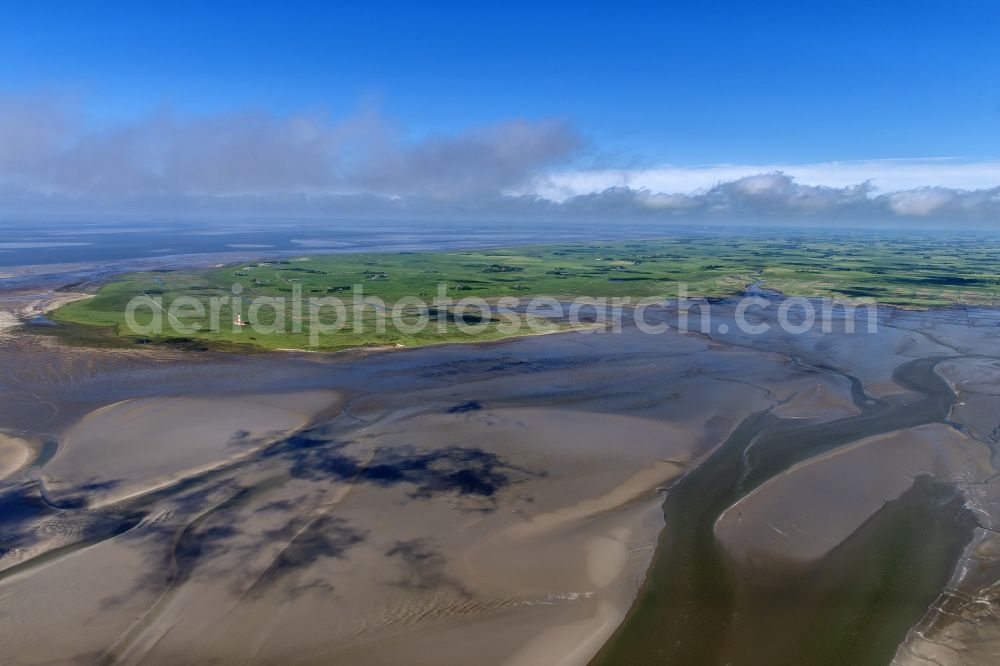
x=605, y=535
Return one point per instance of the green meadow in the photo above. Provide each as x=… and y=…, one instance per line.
x=892, y=269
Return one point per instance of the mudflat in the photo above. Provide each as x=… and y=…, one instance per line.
x=505, y=499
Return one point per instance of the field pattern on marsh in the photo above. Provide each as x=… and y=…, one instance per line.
x=912, y=272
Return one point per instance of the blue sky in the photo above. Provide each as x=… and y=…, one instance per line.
x=642, y=85
x=683, y=83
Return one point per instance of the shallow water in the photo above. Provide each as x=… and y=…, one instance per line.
x=59, y=243
x=694, y=608
x=688, y=611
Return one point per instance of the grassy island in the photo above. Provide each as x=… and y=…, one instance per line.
x=891, y=269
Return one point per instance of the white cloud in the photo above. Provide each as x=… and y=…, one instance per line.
x=50, y=150
x=920, y=202
x=889, y=175
x=54, y=161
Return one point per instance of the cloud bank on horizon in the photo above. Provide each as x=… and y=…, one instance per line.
x=56, y=160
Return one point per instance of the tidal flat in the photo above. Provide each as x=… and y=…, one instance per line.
x=627, y=497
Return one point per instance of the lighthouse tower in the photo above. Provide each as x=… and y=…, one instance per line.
x=238, y=321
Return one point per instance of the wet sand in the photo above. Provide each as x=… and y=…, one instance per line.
x=133, y=447
x=14, y=454
x=19, y=307
x=837, y=492
x=498, y=500
x=701, y=605
x=402, y=507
